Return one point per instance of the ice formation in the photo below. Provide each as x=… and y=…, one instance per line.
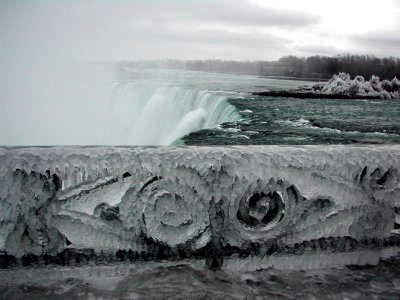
x=263, y=204
x=342, y=84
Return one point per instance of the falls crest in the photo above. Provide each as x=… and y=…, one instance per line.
x=153, y=113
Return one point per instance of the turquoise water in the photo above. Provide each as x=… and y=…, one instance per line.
x=269, y=120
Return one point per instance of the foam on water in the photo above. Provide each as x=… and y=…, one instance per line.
x=307, y=124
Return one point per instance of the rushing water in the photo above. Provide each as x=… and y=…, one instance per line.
x=153, y=107
x=147, y=112
x=274, y=120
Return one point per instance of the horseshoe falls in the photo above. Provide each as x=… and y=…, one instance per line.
x=99, y=105
x=143, y=112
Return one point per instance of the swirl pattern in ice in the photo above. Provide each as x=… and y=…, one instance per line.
x=256, y=202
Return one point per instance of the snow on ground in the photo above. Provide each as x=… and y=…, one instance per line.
x=342, y=84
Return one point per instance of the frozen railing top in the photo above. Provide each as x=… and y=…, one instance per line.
x=198, y=201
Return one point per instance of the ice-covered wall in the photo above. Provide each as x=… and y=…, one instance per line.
x=201, y=201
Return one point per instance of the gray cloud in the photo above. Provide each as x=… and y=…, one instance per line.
x=207, y=43
x=244, y=13
x=379, y=43
x=116, y=30
x=233, y=12
x=104, y=30
x=217, y=37
x=307, y=50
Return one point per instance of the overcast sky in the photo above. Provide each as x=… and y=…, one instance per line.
x=40, y=102
x=191, y=29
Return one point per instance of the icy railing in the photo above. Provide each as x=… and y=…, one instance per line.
x=256, y=202
x=342, y=84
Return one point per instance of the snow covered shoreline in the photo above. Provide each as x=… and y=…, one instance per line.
x=342, y=86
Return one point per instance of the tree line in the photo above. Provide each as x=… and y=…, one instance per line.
x=312, y=67
x=325, y=66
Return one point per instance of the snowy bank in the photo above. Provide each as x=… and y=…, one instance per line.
x=343, y=87
x=342, y=84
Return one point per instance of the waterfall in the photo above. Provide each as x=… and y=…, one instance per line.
x=144, y=112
